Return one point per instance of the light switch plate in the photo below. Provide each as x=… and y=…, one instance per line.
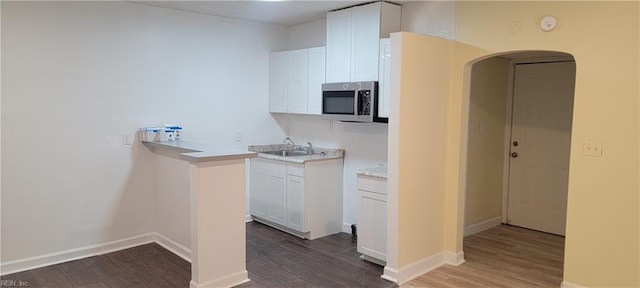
x=127, y=138
x=592, y=147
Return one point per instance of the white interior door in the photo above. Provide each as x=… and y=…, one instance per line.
x=540, y=145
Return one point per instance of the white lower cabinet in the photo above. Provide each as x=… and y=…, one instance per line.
x=295, y=203
x=302, y=199
x=268, y=199
x=372, y=218
x=276, y=198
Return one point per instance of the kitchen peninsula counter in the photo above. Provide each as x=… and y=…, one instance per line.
x=195, y=152
x=208, y=182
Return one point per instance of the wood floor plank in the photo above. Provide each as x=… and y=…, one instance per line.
x=112, y=274
x=504, y=256
x=349, y=274
x=51, y=276
x=152, y=278
x=80, y=274
x=95, y=285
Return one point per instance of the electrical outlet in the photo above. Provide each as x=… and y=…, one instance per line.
x=515, y=27
x=127, y=138
x=592, y=147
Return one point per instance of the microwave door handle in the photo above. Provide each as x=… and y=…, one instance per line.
x=355, y=102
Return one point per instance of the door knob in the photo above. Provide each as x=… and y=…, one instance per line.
x=514, y=155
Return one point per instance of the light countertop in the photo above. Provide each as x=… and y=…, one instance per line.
x=318, y=155
x=197, y=153
x=376, y=172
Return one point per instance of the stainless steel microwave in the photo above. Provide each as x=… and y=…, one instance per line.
x=350, y=101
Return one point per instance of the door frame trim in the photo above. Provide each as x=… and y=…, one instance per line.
x=508, y=120
x=507, y=140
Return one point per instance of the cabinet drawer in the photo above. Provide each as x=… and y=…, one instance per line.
x=375, y=185
x=295, y=169
x=268, y=164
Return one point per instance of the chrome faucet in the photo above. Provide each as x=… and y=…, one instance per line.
x=290, y=142
x=310, y=148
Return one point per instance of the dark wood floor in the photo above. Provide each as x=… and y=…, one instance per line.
x=143, y=266
x=274, y=259
x=504, y=256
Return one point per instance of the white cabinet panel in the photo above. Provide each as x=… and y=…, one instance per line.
x=278, y=82
x=365, y=23
x=276, y=197
x=316, y=66
x=258, y=192
x=297, y=81
x=372, y=225
x=339, y=46
x=295, y=203
x=384, y=91
x=268, y=188
x=295, y=169
x=372, y=217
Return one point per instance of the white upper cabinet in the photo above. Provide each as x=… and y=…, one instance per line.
x=384, y=93
x=353, y=40
x=295, y=81
x=316, y=76
x=365, y=23
x=339, y=46
x=278, y=82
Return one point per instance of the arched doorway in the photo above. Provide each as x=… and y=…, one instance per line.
x=517, y=147
x=518, y=141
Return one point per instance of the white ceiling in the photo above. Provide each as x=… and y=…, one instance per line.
x=275, y=12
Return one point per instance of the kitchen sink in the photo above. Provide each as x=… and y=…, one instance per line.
x=287, y=153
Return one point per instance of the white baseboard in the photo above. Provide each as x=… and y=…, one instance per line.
x=174, y=247
x=74, y=254
x=481, y=226
x=390, y=274
x=453, y=258
x=566, y=284
x=413, y=270
x=230, y=281
x=247, y=218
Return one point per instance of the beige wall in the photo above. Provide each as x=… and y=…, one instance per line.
x=487, y=109
x=416, y=145
x=602, y=220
